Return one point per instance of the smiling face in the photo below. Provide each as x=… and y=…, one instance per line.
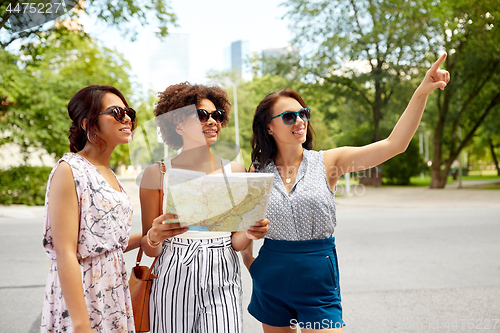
x=282, y=133
x=210, y=129
x=195, y=133
x=113, y=132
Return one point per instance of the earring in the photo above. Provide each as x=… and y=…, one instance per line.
x=88, y=137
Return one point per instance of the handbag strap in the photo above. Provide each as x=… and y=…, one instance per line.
x=139, y=254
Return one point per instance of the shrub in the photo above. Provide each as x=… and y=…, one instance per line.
x=24, y=185
x=399, y=169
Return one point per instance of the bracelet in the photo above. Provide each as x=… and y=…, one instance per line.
x=150, y=242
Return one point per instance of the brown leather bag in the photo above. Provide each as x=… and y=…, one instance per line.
x=141, y=280
x=140, y=283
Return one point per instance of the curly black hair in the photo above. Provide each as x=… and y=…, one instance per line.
x=181, y=95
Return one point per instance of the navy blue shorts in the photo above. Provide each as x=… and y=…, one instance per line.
x=297, y=283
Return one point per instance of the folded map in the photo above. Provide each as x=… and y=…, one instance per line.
x=217, y=202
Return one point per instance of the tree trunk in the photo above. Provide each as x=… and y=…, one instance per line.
x=372, y=177
x=495, y=159
x=438, y=179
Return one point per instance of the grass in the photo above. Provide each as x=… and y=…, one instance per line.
x=426, y=181
x=482, y=173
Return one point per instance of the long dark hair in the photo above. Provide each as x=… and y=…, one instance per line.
x=86, y=104
x=264, y=147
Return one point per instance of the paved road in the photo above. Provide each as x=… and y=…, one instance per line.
x=411, y=260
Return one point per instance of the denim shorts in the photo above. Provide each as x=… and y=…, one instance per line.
x=297, y=283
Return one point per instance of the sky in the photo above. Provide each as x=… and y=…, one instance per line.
x=212, y=25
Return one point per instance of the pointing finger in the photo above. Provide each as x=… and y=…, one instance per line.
x=438, y=63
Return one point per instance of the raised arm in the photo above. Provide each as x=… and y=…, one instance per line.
x=64, y=224
x=339, y=161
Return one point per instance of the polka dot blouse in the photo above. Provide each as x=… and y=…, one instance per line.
x=308, y=211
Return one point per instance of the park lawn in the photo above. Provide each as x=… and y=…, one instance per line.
x=426, y=181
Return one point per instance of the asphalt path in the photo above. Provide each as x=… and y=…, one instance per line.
x=411, y=260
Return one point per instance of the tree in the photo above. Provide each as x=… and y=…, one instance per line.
x=113, y=13
x=250, y=93
x=363, y=50
x=32, y=99
x=395, y=40
x=39, y=85
x=486, y=143
x=469, y=31
x=366, y=55
x=494, y=155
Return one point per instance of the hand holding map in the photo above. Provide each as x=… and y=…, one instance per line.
x=220, y=202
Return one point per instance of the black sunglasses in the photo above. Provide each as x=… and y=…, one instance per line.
x=204, y=115
x=290, y=117
x=119, y=113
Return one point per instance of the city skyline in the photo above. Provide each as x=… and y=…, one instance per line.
x=208, y=37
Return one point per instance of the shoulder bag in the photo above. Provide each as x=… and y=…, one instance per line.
x=141, y=280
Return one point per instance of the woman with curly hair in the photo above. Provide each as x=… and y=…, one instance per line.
x=198, y=288
x=88, y=217
x=296, y=275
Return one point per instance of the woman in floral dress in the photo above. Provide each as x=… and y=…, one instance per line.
x=88, y=217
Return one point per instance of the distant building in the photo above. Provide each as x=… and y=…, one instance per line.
x=237, y=58
x=168, y=61
x=287, y=53
x=279, y=52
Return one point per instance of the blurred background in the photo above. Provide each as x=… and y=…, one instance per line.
x=410, y=254
x=355, y=63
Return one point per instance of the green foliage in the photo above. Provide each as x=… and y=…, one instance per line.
x=469, y=32
x=125, y=14
x=24, y=185
x=144, y=148
x=370, y=55
x=366, y=55
x=399, y=169
x=249, y=95
x=36, y=90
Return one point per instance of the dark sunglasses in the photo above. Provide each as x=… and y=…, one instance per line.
x=204, y=115
x=290, y=117
x=119, y=113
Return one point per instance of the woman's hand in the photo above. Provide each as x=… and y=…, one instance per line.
x=435, y=77
x=258, y=230
x=161, y=229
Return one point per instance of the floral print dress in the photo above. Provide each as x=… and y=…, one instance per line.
x=105, y=221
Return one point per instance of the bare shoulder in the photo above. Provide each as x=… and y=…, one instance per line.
x=151, y=177
x=63, y=175
x=237, y=167
x=62, y=185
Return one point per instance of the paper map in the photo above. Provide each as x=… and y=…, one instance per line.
x=219, y=202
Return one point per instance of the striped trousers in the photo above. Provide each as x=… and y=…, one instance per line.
x=198, y=288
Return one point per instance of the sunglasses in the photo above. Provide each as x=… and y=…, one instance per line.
x=204, y=115
x=290, y=117
x=119, y=113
